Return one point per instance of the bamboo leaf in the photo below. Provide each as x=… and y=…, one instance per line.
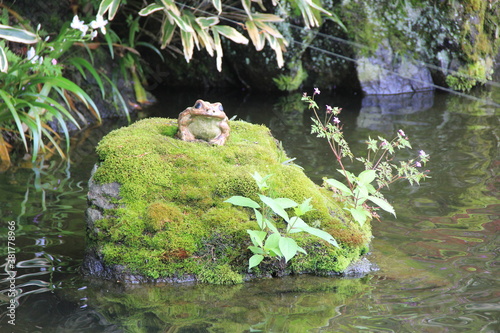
x=113, y=9
x=17, y=35
x=218, y=5
x=183, y=25
x=218, y=49
x=150, y=9
x=247, y=5
x=266, y=17
x=206, y=22
x=257, y=38
x=4, y=64
x=230, y=33
x=168, y=30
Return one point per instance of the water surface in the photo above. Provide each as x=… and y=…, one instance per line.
x=438, y=259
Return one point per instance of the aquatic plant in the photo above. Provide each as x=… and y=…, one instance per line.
x=378, y=164
x=270, y=241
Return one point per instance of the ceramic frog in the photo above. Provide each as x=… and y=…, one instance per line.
x=205, y=121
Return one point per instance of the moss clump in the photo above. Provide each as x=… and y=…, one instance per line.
x=170, y=219
x=220, y=274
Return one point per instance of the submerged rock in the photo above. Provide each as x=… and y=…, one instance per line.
x=157, y=212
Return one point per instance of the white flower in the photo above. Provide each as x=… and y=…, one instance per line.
x=31, y=56
x=78, y=25
x=93, y=35
x=99, y=23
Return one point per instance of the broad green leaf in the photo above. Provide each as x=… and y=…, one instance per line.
x=288, y=247
x=322, y=234
x=350, y=176
x=367, y=176
x=340, y=186
x=296, y=224
x=260, y=219
x=360, y=194
x=257, y=237
x=242, y=201
x=271, y=226
x=360, y=215
x=275, y=206
x=256, y=250
x=286, y=203
x=261, y=181
x=272, y=244
x=304, y=207
x=150, y=9
x=4, y=64
x=383, y=204
x=255, y=260
x=230, y=33
x=17, y=35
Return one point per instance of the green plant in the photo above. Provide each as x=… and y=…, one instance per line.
x=378, y=164
x=269, y=240
x=33, y=90
x=199, y=25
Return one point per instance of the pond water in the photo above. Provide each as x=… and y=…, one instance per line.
x=439, y=265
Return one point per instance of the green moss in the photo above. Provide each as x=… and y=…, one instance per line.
x=220, y=274
x=171, y=218
x=294, y=80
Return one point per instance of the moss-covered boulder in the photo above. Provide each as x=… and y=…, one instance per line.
x=157, y=211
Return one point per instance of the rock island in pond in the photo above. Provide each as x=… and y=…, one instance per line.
x=157, y=212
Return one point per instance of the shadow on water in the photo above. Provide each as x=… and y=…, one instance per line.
x=438, y=259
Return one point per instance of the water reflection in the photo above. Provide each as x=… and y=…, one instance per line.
x=439, y=258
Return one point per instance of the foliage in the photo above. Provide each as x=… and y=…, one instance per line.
x=269, y=241
x=201, y=26
x=34, y=92
x=378, y=164
x=469, y=75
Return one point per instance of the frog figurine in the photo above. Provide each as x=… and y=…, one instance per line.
x=205, y=121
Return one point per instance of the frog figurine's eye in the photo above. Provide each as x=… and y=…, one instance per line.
x=221, y=108
x=198, y=105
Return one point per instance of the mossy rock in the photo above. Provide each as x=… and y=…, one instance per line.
x=167, y=220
